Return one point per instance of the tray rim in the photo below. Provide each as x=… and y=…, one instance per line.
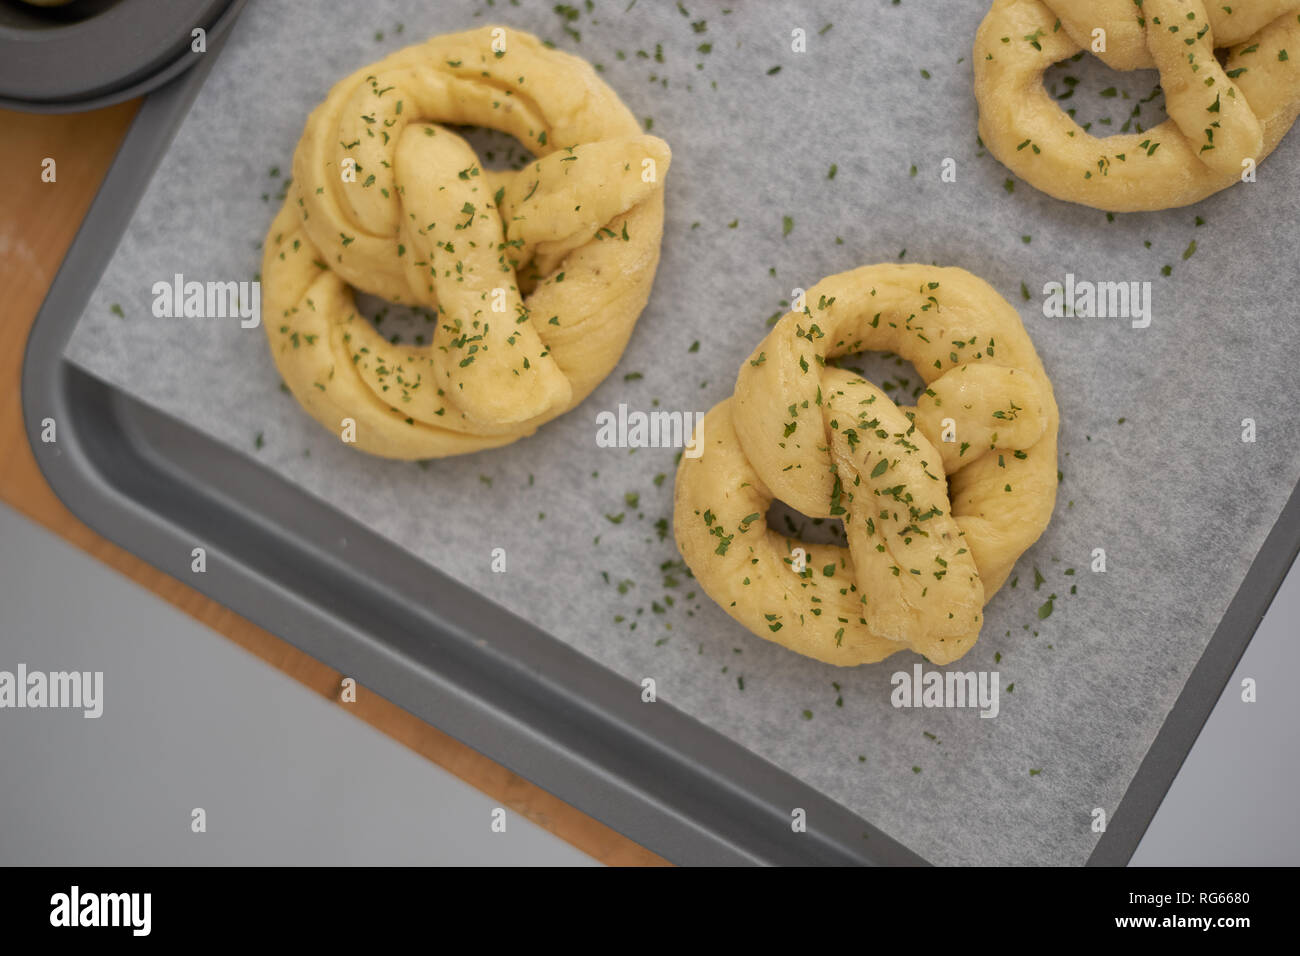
x=87, y=474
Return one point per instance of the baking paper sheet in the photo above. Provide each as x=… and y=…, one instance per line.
x=1155, y=471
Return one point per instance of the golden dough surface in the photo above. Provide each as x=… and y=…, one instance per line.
x=1224, y=119
x=536, y=276
x=937, y=501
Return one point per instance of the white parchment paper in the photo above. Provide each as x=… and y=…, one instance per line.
x=1155, y=471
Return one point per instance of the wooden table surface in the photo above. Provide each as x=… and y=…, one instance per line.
x=38, y=221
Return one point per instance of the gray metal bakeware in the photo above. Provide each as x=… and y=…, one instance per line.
x=93, y=53
x=354, y=600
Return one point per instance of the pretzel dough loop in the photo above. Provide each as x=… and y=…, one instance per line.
x=536, y=276
x=933, y=527
x=1220, y=116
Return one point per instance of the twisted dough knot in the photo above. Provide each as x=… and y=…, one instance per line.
x=537, y=276
x=933, y=526
x=1220, y=115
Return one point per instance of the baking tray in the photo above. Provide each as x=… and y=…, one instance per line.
x=307, y=573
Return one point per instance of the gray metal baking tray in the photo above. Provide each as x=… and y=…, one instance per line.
x=354, y=600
